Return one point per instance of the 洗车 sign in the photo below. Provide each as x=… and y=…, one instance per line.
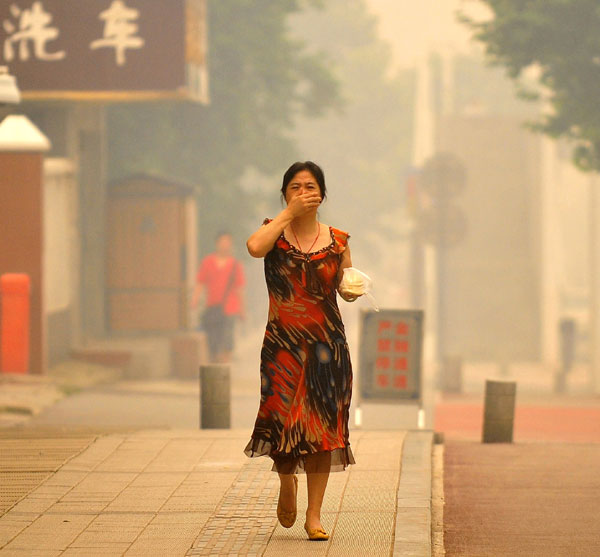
x=105, y=48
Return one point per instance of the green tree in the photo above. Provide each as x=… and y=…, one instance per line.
x=261, y=79
x=560, y=38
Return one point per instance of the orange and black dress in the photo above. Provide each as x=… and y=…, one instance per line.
x=306, y=374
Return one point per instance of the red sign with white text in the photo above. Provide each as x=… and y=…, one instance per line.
x=390, y=355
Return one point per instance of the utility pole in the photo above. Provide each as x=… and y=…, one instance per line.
x=443, y=225
x=594, y=305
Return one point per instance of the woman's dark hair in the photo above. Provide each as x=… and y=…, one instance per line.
x=313, y=168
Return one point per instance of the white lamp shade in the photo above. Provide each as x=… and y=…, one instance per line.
x=19, y=134
x=9, y=92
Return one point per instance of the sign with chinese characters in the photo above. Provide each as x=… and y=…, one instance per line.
x=390, y=355
x=105, y=48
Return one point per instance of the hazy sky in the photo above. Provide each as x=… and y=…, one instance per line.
x=416, y=27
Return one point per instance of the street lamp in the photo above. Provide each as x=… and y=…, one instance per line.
x=9, y=92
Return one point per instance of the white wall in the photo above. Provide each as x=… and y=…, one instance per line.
x=60, y=235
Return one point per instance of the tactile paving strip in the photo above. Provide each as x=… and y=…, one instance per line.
x=246, y=517
x=359, y=507
x=15, y=485
x=26, y=463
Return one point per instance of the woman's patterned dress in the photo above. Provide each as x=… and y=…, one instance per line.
x=306, y=375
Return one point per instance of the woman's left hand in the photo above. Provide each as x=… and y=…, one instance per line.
x=348, y=297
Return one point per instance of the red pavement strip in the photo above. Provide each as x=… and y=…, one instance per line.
x=522, y=499
x=577, y=424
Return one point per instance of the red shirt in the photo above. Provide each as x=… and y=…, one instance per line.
x=216, y=278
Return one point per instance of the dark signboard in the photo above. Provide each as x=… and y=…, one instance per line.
x=59, y=48
x=390, y=355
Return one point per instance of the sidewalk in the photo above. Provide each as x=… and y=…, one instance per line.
x=194, y=492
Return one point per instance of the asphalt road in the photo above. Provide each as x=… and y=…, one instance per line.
x=114, y=406
x=144, y=405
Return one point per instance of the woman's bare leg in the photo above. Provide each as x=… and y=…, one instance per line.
x=317, y=474
x=286, y=492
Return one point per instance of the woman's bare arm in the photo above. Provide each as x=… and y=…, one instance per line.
x=262, y=241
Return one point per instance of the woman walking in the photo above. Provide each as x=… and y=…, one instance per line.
x=306, y=375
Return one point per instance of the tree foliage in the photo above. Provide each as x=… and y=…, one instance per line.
x=560, y=39
x=261, y=79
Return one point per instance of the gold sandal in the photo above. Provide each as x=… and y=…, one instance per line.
x=316, y=535
x=287, y=518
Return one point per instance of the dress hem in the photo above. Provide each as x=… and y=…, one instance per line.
x=341, y=458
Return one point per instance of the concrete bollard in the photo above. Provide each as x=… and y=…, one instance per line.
x=215, y=396
x=499, y=411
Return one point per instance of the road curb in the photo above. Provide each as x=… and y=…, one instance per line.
x=413, y=515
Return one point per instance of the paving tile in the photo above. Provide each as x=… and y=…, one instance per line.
x=138, y=498
x=37, y=506
x=31, y=552
x=412, y=549
x=180, y=455
x=181, y=518
x=51, y=531
x=226, y=450
x=65, y=478
x=169, y=534
x=366, y=530
x=221, y=534
x=116, y=551
x=372, y=499
x=15, y=516
x=10, y=529
x=108, y=529
x=410, y=524
x=158, y=479
x=94, y=454
x=45, y=491
x=111, y=547
x=371, y=479
x=152, y=547
x=132, y=455
x=78, y=507
x=412, y=502
x=200, y=491
x=203, y=503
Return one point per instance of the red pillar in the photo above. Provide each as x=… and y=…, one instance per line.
x=14, y=324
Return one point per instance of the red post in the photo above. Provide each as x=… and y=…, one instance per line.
x=15, y=290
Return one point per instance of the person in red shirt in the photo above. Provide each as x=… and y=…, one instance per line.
x=221, y=278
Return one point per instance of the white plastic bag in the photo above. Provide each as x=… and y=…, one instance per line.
x=357, y=283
